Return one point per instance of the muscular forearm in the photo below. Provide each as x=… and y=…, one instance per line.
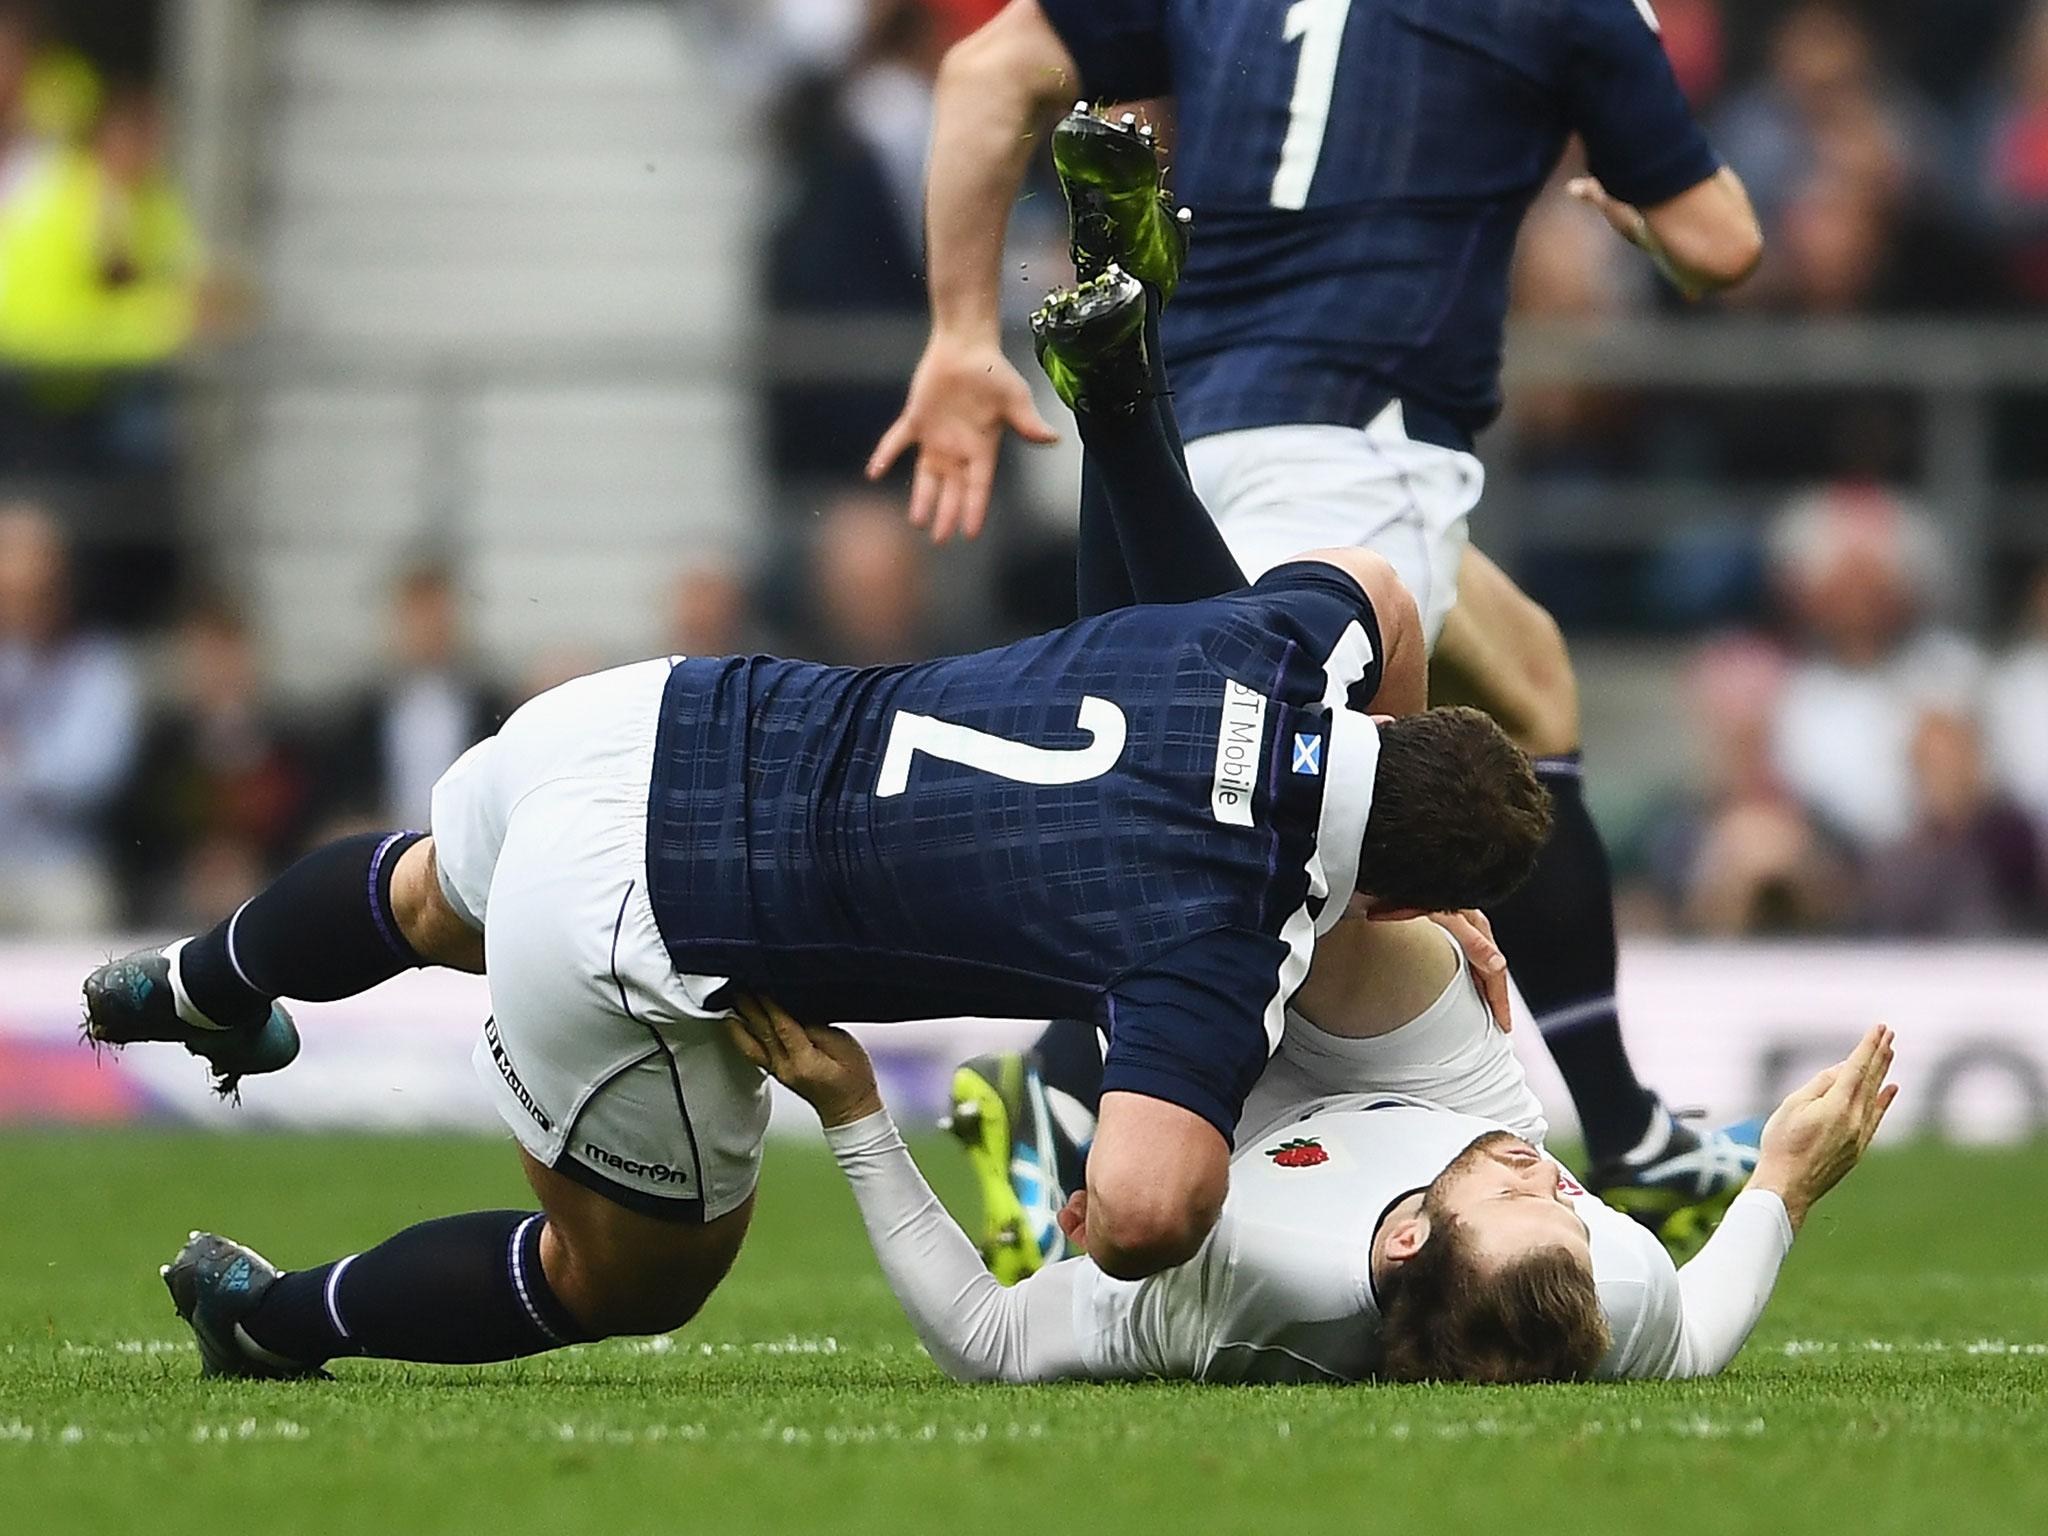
x=974, y=1328
x=1705, y=240
x=998, y=92
x=1728, y=1283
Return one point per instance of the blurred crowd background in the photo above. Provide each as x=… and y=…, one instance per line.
x=1800, y=538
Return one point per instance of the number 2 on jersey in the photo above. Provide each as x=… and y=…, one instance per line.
x=1319, y=27
x=910, y=734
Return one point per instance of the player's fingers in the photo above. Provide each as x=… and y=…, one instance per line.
x=746, y=1044
x=1868, y=1055
x=757, y=1029
x=951, y=495
x=980, y=475
x=1025, y=421
x=1484, y=924
x=924, y=489
x=891, y=447
x=1878, y=1112
x=1815, y=1087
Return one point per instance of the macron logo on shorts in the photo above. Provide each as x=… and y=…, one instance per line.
x=1238, y=738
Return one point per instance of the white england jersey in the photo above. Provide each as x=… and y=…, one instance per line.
x=1282, y=1290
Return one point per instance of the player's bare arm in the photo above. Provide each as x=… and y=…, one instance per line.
x=1703, y=240
x=1404, y=675
x=1157, y=1175
x=998, y=93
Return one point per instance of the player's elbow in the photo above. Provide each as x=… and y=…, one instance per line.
x=1711, y=233
x=1147, y=1231
x=1725, y=256
x=1016, y=54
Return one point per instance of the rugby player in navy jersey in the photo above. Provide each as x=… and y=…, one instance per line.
x=1357, y=171
x=1149, y=819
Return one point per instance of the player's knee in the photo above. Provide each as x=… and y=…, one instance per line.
x=613, y=1293
x=437, y=933
x=1548, y=688
x=619, y=1273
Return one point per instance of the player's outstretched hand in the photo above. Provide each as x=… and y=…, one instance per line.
x=1822, y=1131
x=961, y=398
x=823, y=1066
x=1474, y=934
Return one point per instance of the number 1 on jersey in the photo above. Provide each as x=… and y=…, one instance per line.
x=1319, y=26
x=910, y=734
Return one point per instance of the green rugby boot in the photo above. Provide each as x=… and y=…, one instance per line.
x=1680, y=1182
x=1090, y=340
x=1118, y=210
x=132, y=999
x=1001, y=1116
x=215, y=1283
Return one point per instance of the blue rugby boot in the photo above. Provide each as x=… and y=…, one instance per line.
x=1118, y=210
x=1002, y=1116
x=1679, y=1181
x=214, y=1284
x=134, y=999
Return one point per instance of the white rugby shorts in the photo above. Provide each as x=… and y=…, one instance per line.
x=609, y=1066
x=1279, y=492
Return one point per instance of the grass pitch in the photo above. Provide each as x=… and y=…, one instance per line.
x=1899, y=1384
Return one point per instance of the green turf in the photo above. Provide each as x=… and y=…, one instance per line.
x=1897, y=1385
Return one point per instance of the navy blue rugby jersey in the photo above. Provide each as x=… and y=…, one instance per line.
x=1141, y=819
x=1359, y=170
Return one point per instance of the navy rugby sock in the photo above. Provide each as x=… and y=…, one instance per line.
x=1070, y=1061
x=1558, y=934
x=463, y=1290
x=1145, y=535
x=323, y=929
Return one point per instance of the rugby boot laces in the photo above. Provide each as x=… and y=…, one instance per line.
x=1002, y=1118
x=1090, y=340
x=215, y=1283
x=1679, y=1181
x=132, y=999
x=1118, y=210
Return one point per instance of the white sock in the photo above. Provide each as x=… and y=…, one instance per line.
x=1654, y=1141
x=188, y=1010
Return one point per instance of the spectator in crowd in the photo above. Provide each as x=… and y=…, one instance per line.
x=1970, y=864
x=1861, y=573
x=1739, y=855
x=867, y=584
x=708, y=611
x=2016, y=708
x=1847, y=165
x=415, y=720
x=1824, y=105
x=21, y=147
x=851, y=239
x=68, y=728
x=100, y=290
x=100, y=260
x=218, y=799
x=2014, y=168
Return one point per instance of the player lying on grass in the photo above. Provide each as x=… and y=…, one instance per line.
x=1146, y=819
x=1391, y=1214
